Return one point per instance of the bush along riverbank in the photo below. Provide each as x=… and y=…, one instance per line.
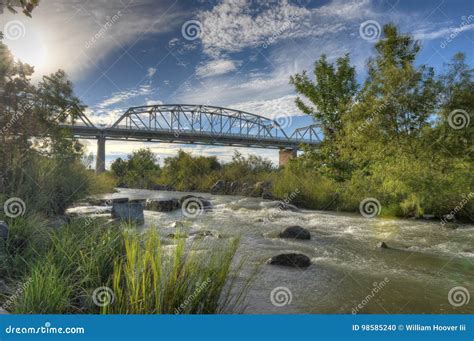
x=91, y=266
x=401, y=187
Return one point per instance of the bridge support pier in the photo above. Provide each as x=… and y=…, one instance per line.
x=100, y=158
x=286, y=155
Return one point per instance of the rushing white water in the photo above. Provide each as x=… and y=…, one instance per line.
x=348, y=273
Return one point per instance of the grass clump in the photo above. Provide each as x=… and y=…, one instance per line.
x=64, y=268
x=154, y=279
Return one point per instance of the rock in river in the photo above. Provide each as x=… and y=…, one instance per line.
x=219, y=187
x=295, y=232
x=128, y=210
x=3, y=230
x=162, y=205
x=296, y=260
x=382, y=245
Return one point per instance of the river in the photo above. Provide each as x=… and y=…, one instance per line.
x=349, y=273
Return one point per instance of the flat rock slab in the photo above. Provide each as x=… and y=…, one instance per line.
x=295, y=260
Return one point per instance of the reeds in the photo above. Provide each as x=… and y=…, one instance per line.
x=143, y=276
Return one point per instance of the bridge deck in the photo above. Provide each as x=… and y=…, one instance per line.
x=186, y=136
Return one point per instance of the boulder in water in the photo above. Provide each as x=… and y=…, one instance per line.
x=295, y=260
x=382, y=245
x=295, y=232
x=234, y=187
x=3, y=230
x=219, y=187
x=162, y=205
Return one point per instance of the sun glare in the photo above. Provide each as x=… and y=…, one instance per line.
x=29, y=48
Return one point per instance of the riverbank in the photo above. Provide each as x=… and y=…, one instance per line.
x=91, y=265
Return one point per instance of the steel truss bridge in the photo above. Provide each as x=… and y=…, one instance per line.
x=196, y=124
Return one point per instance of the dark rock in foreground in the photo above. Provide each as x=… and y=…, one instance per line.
x=3, y=230
x=162, y=205
x=295, y=260
x=382, y=245
x=295, y=232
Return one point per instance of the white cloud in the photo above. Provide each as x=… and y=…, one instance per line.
x=153, y=102
x=216, y=67
x=233, y=25
x=151, y=72
x=122, y=96
x=425, y=34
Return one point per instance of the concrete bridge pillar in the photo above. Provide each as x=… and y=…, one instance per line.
x=286, y=155
x=100, y=158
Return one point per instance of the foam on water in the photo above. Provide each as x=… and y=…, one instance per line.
x=346, y=261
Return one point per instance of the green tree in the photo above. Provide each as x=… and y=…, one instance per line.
x=457, y=101
x=140, y=170
x=39, y=160
x=332, y=93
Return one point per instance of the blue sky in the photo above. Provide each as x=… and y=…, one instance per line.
x=124, y=53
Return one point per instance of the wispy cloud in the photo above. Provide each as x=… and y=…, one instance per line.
x=217, y=67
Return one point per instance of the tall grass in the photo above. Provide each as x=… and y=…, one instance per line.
x=145, y=276
x=156, y=279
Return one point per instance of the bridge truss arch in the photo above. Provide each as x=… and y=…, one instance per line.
x=200, y=120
